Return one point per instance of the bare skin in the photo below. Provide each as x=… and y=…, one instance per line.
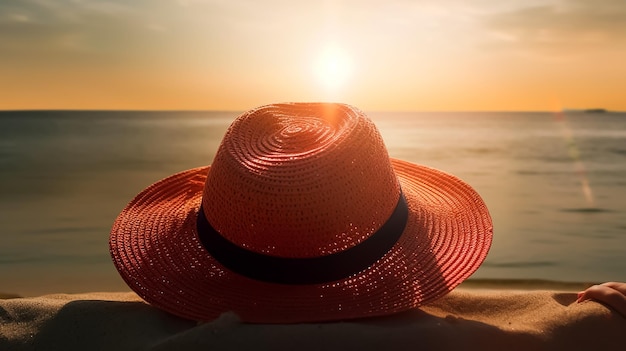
x=613, y=294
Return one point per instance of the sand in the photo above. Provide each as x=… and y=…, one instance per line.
x=465, y=319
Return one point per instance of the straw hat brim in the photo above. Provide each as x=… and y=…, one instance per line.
x=155, y=248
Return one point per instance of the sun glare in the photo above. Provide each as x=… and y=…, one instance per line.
x=333, y=68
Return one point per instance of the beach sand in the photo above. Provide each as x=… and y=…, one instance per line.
x=473, y=317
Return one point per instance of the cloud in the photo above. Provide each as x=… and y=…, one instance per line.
x=561, y=27
x=57, y=28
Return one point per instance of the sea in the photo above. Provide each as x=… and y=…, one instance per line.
x=554, y=182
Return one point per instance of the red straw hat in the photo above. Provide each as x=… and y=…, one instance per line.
x=301, y=217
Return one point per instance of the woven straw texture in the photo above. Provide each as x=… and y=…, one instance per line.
x=300, y=180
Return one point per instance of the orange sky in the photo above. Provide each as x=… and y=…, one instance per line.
x=377, y=55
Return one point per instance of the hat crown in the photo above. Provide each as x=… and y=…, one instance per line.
x=300, y=180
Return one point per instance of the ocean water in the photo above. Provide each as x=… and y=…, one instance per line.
x=555, y=185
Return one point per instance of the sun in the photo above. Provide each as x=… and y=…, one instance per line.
x=333, y=68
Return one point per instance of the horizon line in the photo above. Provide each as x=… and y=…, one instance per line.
x=581, y=110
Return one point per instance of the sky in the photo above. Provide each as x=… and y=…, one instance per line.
x=393, y=55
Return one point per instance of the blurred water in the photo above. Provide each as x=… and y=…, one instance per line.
x=555, y=185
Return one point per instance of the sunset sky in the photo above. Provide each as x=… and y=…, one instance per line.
x=378, y=55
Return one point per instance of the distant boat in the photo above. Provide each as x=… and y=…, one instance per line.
x=595, y=110
x=588, y=110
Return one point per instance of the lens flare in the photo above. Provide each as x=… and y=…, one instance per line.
x=574, y=154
